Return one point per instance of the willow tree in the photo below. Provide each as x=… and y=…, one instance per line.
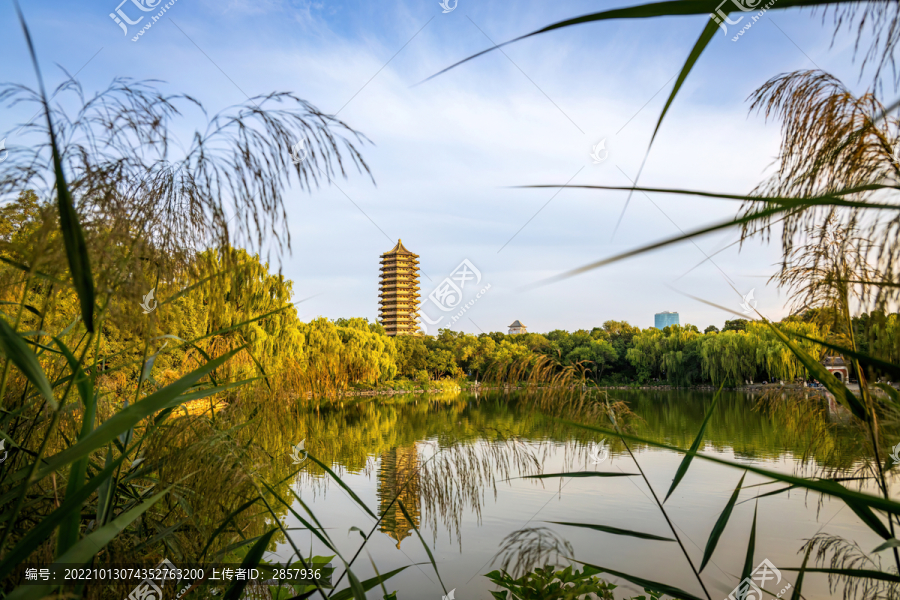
x=729, y=356
x=646, y=350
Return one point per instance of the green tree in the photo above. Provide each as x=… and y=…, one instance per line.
x=736, y=325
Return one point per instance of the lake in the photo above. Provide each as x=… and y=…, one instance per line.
x=457, y=462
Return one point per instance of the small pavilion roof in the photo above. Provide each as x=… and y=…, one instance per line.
x=517, y=323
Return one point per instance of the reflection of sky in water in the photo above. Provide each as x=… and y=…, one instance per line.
x=466, y=500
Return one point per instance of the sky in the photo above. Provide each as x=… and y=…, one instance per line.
x=449, y=155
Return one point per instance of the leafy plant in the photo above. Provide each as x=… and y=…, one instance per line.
x=548, y=583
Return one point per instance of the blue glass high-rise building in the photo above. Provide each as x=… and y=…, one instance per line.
x=664, y=319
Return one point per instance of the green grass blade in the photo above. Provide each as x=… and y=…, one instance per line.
x=829, y=488
x=315, y=519
x=686, y=461
x=73, y=236
x=830, y=199
x=88, y=547
x=616, y=531
x=840, y=391
x=727, y=224
x=641, y=11
x=315, y=530
x=13, y=346
x=751, y=548
x=798, y=585
x=225, y=524
x=44, y=529
x=867, y=516
x=699, y=46
x=343, y=485
x=863, y=358
x=720, y=525
x=646, y=583
x=412, y=522
x=251, y=560
x=356, y=587
x=577, y=474
x=171, y=395
x=891, y=543
x=367, y=585
x=69, y=529
x=861, y=573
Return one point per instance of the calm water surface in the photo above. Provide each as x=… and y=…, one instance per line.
x=457, y=463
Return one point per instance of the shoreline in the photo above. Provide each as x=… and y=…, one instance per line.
x=756, y=387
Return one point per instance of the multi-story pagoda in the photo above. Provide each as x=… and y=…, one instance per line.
x=399, y=298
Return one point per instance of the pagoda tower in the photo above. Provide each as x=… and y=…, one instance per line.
x=399, y=297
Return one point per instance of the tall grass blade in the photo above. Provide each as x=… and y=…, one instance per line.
x=367, y=585
x=829, y=488
x=864, y=359
x=16, y=350
x=641, y=11
x=341, y=483
x=69, y=529
x=359, y=593
x=646, y=583
x=251, y=560
x=798, y=585
x=171, y=395
x=891, y=543
x=840, y=391
x=616, y=531
x=686, y=461
x=88, y=547
x=412, y=522
x=44, y=529
x=867, y=516
x=73, y=236
x=720, y=525
x=860, y=573
x=751, y=548
x=577, y=474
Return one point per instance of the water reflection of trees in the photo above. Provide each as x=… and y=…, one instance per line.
x=443, y=453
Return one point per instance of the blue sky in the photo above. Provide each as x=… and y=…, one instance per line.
x=447, y=154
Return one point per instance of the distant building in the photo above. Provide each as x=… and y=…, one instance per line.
x=399, y=291
x=517, y=327
x=664, y=319
x=837, y=367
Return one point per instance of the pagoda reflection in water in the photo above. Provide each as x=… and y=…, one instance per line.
x=399, y=471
